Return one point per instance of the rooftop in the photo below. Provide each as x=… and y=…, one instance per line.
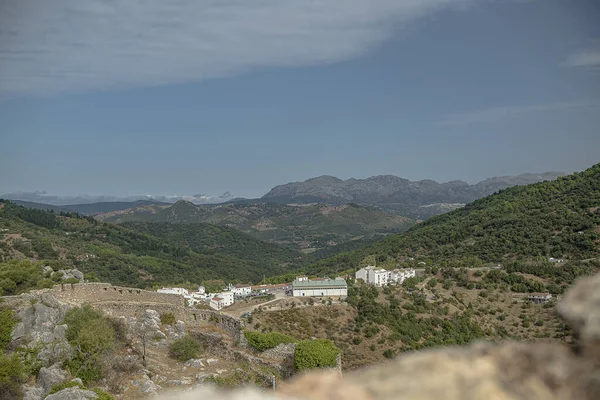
x=321, y=283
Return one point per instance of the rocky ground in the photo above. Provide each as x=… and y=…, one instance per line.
x=511, y=371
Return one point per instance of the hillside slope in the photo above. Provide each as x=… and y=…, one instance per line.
x=558, y=219
x=418, y=199
x=306, y=227
x=118, y=255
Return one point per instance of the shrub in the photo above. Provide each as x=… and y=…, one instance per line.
x=7, y=323
x=318, y=353
x=102, y=395
x=63, y=385
x=265, y=341
x=12, y=374
x=167, y=318
x=92, y=335
x=185, y=348
x=388, y=353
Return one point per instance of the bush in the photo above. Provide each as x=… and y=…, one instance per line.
x=265, y=341
x=167, y=318
x=102, y=395
x=63, y=385
x=92, y=335
x=185, y=348
x=12, y=374
x=7, y=323
x=388, y=353
x=318, y=353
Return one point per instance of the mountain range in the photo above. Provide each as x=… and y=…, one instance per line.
x=306, y=227
x=414, y=199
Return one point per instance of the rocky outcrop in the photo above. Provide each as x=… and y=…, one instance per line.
x=72, y=393
x=48, y=377
x=511, y=371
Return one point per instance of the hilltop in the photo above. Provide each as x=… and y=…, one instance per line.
x=115, y=254
x=306, y=227
x=418, y=199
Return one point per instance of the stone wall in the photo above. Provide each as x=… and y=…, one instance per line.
x=231, y=325
x=80, y=293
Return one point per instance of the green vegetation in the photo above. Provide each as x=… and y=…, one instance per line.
x=8, y=321
x=167, y=318
x=185, y=348
x=64, y=385
x=315, y=226
x=18, y=276
x=12, y=375
x=264, y=341
x=180, y=255
x=93, y=337
x=102, y=395
x=558, y=219
x=317, y=353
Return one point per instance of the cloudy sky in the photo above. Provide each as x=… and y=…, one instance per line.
x=177, y=97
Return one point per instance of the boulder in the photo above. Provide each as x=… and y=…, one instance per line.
x=48, y=377
x=72, y=393
x=32, y=392
x=194, y=363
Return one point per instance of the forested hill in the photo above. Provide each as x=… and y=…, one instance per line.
x=558, y=219
x=119, y=255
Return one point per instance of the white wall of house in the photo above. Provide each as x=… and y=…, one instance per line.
x=227, y=298
x=363, y=274
x=320, y=292
x=216, y=303
x=180, y=291
x=242, y=290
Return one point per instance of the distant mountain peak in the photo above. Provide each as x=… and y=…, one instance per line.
x=392, y=193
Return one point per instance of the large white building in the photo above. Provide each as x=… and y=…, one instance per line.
x=227, y=298
x=380, y=277
x=241, y=290
x=323, y=287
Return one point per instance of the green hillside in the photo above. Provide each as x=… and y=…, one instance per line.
x=115, y=254
x=559, y=219
x=308, y=227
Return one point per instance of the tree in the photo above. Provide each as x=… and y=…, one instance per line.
x=318, y=353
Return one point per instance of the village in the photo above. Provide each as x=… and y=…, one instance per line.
x=302, y=286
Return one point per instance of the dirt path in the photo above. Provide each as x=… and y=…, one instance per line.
x=237, y=312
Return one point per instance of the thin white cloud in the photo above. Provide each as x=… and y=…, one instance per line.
x=78, y=45
x=585, y=59
x=506, y=112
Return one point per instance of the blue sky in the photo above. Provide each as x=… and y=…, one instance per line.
x=185, y=97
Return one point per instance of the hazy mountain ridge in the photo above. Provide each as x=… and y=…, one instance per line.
x=399, y=195
x=308, y=227
x=67, y=201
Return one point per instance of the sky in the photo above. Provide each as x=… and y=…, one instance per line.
x=177, y=97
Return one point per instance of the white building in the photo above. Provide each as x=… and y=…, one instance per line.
x=373, y=275
x=241, y=290
x=380, y=277
x=320, y=288
x=398, y=276
x=177, y=290
x=216, y=303
x=227, y=298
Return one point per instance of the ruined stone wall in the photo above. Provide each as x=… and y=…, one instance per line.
x=231, y=325
x=80, y=293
